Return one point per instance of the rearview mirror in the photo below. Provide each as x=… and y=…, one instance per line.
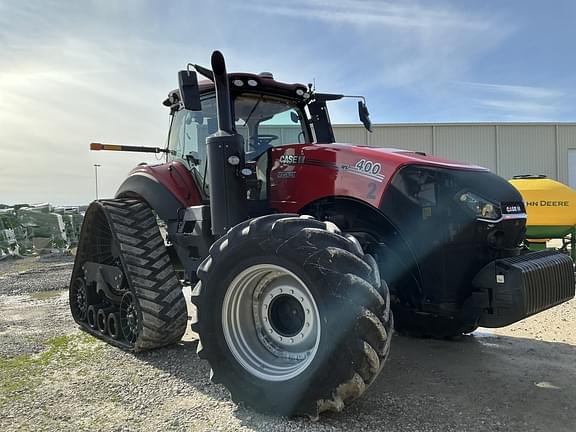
x=189, y=91
x=364, y=115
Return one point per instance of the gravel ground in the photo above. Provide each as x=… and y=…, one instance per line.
x=55, y=377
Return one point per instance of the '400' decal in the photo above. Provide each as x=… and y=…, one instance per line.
x=368, y=167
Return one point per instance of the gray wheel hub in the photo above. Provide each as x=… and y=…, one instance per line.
x=271, y=322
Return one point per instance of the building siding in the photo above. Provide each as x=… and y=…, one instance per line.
x=403, y=137
x=527, y=150
x=475, y=145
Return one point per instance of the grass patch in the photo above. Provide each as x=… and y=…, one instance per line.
x=11, y=266
x=45, y=295
x=22, y=374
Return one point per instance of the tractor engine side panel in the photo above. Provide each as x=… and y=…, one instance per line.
x=301, y=174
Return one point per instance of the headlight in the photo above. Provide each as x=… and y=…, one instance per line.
x=480, y=207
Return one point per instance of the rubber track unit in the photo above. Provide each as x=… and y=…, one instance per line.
x=356, y=323
x=138, y=248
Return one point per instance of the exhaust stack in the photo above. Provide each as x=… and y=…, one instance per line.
x=223, y=107
x=226, y=157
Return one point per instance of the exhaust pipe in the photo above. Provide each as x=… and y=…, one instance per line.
x=223, y=106
x=226, y=158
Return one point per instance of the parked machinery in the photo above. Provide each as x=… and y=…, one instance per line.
x=551, y=208
x=297, y=247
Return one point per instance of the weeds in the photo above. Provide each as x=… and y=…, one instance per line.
x=22, y=374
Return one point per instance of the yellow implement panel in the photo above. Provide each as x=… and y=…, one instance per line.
x=548, y=202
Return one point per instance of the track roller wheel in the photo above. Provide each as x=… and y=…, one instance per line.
x=102, y=319
x=129, y=318
x=291, y=315
x=91, y=316
x=113, y=323
x=79, y=299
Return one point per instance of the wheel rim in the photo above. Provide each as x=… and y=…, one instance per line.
x=79, y=299
x=129, y=317
x=271, y=322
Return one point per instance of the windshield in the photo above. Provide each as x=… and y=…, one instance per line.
x=263, y=121
x=266, y=121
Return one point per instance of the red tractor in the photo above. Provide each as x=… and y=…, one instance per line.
x=299, y=249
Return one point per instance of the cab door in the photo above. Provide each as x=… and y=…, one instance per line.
x=187, y=141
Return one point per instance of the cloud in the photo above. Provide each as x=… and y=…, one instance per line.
x=406, y=15
x=517, y=90
x=522, y=109
x=398, y=44
x=517, y=102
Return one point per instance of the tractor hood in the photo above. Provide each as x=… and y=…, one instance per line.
x=400, y=157
x=304, y=173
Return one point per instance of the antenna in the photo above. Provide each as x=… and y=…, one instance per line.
x=312, y=85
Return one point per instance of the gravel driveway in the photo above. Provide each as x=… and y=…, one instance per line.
x=54, y=377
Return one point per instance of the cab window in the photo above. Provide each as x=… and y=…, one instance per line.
x=188, y=132
x=266, y=122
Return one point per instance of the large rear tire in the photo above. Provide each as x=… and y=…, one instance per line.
x=292, y=316
x=147, y=308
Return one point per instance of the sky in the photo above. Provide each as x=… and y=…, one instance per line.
x=74, y=72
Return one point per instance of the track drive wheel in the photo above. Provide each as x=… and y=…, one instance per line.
x=292, y=315
x=124, y=289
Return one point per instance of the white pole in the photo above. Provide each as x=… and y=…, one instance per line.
x=96, y=177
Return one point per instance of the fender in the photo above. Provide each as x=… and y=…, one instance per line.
x=398, y=263
x=166, y=188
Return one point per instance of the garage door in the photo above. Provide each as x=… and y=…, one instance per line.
x=572, y=168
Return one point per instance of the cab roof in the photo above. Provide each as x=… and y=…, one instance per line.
x=253, y=83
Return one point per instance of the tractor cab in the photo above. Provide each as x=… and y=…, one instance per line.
x=266, y=113
x=266, y=116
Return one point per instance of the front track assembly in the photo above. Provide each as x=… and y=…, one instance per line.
x=123, y=288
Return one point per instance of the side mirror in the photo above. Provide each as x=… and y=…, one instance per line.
x=294, y=117
x=189, y=91
x=364, y=115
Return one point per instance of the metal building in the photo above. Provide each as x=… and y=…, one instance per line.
x=507, y=149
